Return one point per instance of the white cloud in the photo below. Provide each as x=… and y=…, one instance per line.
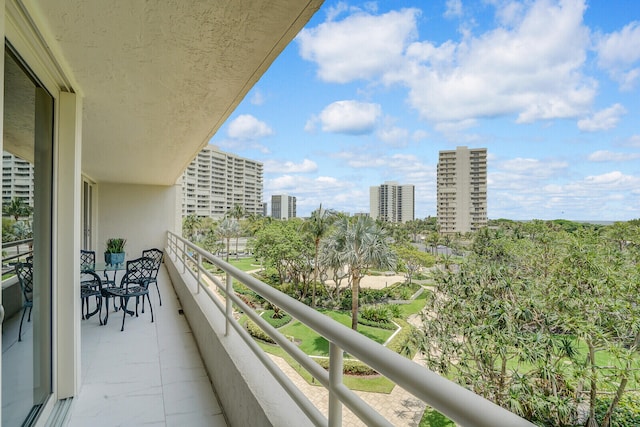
x=247, y=127
x=235, y=145
x=394, y=136
x=257, y=98
x=350, y=117
x=419, y=135
x=533, y=167
x=614, y=180
x=609, y=156
x=454, y=8
x=619, y=54
x=360, y=46
x=633, y=141
x=530, y=66
x=530, y=69
x=602, y=120
x=274, y=166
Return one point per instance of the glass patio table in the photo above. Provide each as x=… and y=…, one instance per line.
x=108, y=282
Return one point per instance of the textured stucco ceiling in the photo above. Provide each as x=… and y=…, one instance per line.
x=159, y=77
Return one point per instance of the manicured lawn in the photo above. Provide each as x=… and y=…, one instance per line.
x=374, y=384
x=244, y=264
x=315, y=345
x=415, y=306
x=433, y=418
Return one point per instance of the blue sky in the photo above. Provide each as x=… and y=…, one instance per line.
x=370, y=92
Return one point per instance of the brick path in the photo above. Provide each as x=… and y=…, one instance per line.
x=400, y=407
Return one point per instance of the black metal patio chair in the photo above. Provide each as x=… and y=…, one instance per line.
x=157, y=256
x=91, y=286
x=24, y=271
x=134, y=284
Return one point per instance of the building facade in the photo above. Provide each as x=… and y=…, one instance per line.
x=216, y=181
x=462, y=190
x=17, y=179
x=283, y=206
x=392, y=202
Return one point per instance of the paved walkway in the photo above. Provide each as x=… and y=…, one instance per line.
x=400, y=407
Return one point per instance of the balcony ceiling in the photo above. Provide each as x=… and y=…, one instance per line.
x=158, y=79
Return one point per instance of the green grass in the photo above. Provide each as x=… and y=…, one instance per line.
x=415, y=306
x=244, y=264
x=374, y=384
x=314, y=344
x=433, y=418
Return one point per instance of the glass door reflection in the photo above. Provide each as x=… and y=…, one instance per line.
x=27, y=183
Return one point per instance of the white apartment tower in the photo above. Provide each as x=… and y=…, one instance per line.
x=462, y=190
x=216, y=181
x=283, y=206
x=392, y=202
x=17, y=179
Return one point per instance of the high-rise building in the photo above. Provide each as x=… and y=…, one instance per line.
x=17, y=179
x=283, y=206
x=462, y=190
x=392, y=202
x=215, y=182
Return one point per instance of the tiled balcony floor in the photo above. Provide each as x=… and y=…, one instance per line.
x=150, y=374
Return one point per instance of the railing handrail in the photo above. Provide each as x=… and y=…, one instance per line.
x=18, y=255
x=452, y=400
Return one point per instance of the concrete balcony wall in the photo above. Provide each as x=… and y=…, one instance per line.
x=247, y=391
x=139, y=213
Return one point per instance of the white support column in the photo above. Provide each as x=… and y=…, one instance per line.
x=66, y=253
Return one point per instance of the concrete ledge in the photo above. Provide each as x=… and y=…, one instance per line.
x=247, y=391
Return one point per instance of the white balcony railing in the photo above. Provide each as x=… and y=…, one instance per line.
x=459, y=404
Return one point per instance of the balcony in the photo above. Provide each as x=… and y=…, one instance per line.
x=157, y=372
x=149, y=373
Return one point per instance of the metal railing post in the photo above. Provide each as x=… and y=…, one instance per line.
x=199, y=274
x=184, y=257
x=229, y=304
x=335, y=379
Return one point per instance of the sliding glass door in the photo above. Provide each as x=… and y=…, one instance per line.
x=26, y=349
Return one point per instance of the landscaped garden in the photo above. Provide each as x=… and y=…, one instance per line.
x=540, y=318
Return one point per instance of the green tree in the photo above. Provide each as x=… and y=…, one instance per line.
x=237, y=212
x=227, y=229
x=281, y=246
x=190, y=226
x=512, y=323
x=318, y=225
x=17, y=209
x=413, y=259
x=360, y=244
x=594, y=297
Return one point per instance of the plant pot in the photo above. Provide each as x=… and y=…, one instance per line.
x=114, y=258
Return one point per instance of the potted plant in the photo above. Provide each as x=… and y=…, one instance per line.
x=114, y=254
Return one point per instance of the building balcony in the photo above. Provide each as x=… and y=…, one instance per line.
x=168, y=372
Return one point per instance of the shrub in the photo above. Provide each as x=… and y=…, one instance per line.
x=376, y=313
x=276, y=322
x=402, y=342
x=381, y=325
x=256, y=332
x=627, y=413
x=350, y=367
x=247, y=300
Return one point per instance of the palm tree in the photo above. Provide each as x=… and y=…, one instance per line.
x=190, y=225
x=237, y=212
x=360, y=244
x=17, y=208
x=227, y=229
x=317, y=226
